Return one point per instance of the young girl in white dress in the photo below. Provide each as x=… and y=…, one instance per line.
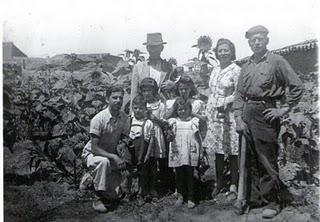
x=184, y=150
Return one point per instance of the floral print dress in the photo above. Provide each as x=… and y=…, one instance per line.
x=221, y=136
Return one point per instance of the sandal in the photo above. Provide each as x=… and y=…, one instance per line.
x=271, y=211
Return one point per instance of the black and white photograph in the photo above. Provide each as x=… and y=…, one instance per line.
x=149, y=110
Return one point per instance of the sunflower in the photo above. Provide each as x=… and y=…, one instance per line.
x=204, y=43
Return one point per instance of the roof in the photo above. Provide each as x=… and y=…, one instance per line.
x=302, y=46
x=10, y=51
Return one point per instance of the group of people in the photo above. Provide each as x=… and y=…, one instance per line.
x=169, y=126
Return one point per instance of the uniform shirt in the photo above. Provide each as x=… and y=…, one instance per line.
x=108, y=129
x=267, y=80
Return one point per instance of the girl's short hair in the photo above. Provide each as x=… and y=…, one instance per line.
x=180, y=102
x=231, y=46
x=139, y=101
x=189, y=82
x=114, y=88
x=149, y=82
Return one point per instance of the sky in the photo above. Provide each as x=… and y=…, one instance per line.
x=45, y=28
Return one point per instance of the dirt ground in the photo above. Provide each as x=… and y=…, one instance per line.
x=48, y=201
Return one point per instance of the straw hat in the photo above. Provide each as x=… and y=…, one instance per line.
x=154, y=39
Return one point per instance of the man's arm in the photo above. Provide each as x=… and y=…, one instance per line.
x=290, y=80
x=238, y=103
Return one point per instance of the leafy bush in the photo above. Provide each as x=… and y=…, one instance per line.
x=53, y=109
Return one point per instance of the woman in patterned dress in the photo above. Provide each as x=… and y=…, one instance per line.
x=221, y=136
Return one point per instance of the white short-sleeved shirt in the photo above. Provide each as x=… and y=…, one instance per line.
x=108, y=129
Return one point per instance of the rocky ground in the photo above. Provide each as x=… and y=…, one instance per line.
x=51, y=201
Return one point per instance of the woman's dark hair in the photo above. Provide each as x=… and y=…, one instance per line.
x=139, y=101
x=231, y=46
x=149, y=82
x=189, y=82
x=180, y=102
x=112, y=89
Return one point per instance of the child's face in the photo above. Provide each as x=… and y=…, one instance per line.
x=139, y=111
x=184, y=90
x=183, y=112
x=148, y=94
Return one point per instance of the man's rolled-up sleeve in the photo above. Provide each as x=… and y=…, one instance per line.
x=238, y=101
x=95, y=126
x=292, y=81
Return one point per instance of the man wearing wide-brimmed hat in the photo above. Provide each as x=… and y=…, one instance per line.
x=264, y=81
x=154, y=67
x=160, y=70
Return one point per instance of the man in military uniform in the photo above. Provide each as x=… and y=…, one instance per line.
x=262, y=84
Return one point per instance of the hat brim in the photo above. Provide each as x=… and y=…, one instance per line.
x=158, y=43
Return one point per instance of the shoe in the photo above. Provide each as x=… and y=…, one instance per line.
x=270, y=212
x=215, y=192
x=179, y=201
x=233, y=188
x=232, y=194
x=191, y=204
x=99, y=206
x=85, y=182
x=241, y=207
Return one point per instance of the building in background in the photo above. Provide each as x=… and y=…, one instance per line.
x=13, y=55
x=303, y=57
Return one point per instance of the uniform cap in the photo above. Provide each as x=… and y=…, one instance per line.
x=256, y=29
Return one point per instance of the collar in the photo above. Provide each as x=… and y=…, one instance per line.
x=119, y=116
x=229, y=67
x=133, y=117
x=164, y=65
x=154, y=105
x=264, y=57
x=148, y=60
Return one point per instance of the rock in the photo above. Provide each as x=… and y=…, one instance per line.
x=59, y=130
x=90, y=111
x=96, y=103
x=68, y=116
